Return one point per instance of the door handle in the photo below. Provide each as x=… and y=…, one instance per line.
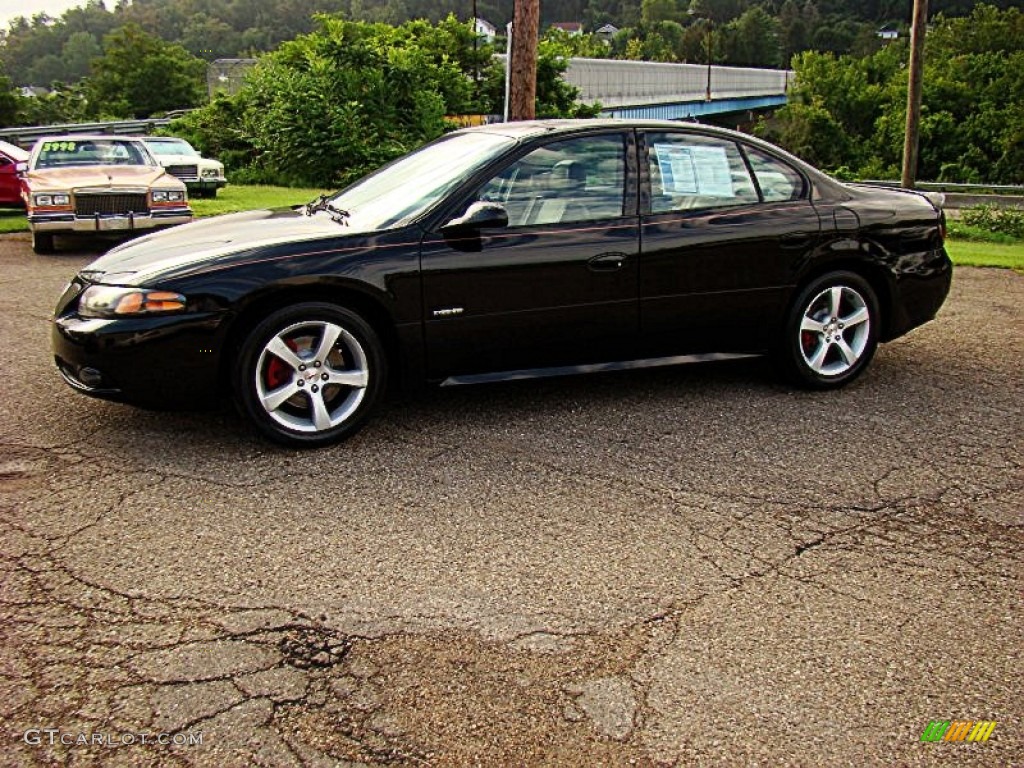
x=798, y=240
x=607, y=262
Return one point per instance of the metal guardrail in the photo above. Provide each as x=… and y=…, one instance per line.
x=944, y=186
x=27, y=136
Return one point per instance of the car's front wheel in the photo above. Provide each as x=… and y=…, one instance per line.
x=42, y=243
x=310, y=374
x=831, y=331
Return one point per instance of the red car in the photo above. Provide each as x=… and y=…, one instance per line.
x=10, y=182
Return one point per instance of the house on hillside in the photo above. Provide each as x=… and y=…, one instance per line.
x=606, y=32
x=888, y=33
x=227, y=75
x=570, y=27
x=485, y=29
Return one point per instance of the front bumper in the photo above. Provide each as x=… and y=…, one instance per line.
x=163, y=362
x=194, y=183
x=70, y=223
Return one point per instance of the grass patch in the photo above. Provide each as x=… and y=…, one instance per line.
x=12, y=220
x=238, y=197
x=969, y=253
x=233, y=197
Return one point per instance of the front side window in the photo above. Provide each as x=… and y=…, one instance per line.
x=696, y=172
x=575, y=180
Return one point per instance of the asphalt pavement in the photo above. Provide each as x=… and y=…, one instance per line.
x=688, y=566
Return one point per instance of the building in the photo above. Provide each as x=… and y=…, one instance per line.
x=227, y=75
x=569, y=27
x=606, y=32
x=888, y=32
x=485, y=29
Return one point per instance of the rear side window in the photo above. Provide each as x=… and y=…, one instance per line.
x=778, y=181
x=696, y=172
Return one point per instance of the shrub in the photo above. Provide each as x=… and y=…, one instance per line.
x=991, y=218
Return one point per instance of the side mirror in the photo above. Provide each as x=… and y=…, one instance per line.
x=480, y=215
x=21, y=168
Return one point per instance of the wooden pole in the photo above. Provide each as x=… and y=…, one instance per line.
x=523, y=71
x=910, y=142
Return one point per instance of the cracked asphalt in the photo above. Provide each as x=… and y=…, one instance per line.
x=689, y=566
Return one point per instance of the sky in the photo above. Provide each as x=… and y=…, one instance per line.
x=10, y=9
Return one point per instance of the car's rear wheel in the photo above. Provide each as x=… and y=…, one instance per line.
x=310, y=374
x=831, y=331
x=42, y=243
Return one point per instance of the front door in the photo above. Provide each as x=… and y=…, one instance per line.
x=558, y=285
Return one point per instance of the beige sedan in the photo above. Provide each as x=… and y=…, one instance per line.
x=76, y=185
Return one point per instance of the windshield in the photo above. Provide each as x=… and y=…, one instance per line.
x=405, y=189
x=65, y=152
x=177, y=147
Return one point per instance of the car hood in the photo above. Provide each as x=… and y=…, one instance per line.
x=98, y=177
x=166, y=160
x=210, y=241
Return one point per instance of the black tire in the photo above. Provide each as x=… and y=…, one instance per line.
x=43, y=244
x=278, y=391
x=820, y=347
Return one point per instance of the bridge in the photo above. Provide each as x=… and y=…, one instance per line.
x=629, y=89
x=645, y=89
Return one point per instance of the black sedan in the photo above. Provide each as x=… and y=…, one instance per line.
x=508, y=251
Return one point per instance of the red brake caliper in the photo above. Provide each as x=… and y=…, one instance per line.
x=279, y=372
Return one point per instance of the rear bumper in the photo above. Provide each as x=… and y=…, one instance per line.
x=919, y=293
x=70, y=223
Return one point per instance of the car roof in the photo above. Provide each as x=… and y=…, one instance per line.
x=529, y=129
x=13, y=151
x=87, y=137
x=524, y=128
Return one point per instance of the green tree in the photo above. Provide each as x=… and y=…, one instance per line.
x=849, y=111
x=139, y=75
x=46, y=70
x=78, y=52
x=753, y=39
x=653, y=11
x=793, y=31
x=9, y=102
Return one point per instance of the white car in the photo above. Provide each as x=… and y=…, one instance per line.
x=202, y=176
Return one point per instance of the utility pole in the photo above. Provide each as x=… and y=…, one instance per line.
x=522, y=83
x=910, y=143
x=699, y=12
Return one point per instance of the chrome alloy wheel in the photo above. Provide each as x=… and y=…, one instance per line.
x=835, y=330
x=312, y=376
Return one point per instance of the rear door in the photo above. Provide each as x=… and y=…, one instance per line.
x=558, y=285
x=724, y=230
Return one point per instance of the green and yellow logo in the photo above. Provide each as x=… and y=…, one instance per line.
x=958, y=730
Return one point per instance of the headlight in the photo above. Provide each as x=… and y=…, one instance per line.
x=51, y=200
x=112, y=301
x=168, y=196
x=212, y=173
